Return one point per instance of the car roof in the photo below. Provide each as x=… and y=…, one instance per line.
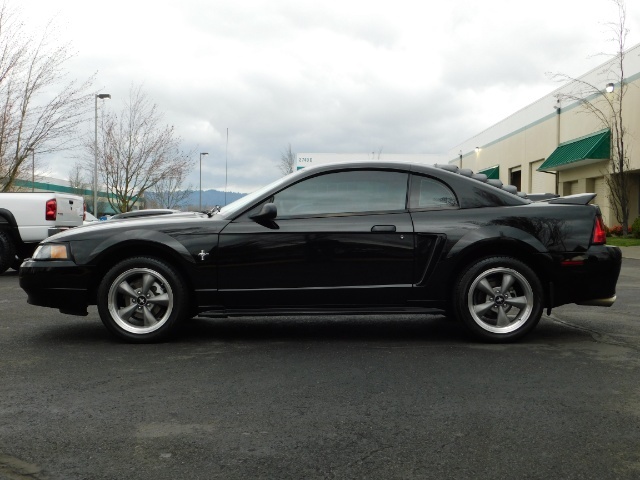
x=473, y=190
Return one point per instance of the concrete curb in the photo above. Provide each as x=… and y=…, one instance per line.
x=631, y=252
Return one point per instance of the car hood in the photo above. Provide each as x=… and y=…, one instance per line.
x=183, y=221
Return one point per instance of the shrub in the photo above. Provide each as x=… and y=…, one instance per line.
x=635, y=228
x=616, y=230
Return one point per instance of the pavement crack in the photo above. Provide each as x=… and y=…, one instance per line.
x=599, y=337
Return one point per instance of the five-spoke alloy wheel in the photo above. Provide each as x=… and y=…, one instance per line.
x=499, y=299
x=141, y=299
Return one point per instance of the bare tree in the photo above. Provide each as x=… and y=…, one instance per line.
x=39, y=111
x=169, y=193
x=78, y=180
x=287, y=161
x=606, y=106
x=376, y=155
x=138, y=152
x=80, y=183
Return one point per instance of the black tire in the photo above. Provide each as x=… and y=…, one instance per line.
x=499, y=299
x=7, y=251
x=17, y=261
x=141, y=300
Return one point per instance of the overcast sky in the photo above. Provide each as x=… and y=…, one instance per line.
x=331, y=76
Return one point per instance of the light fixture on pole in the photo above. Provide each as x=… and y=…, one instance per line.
x=201, y=154
x=100, y=96
x=610, y=87
x=33, y=168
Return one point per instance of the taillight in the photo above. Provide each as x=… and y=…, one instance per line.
x=52, y=210
x=84, y=212
x=599, y=234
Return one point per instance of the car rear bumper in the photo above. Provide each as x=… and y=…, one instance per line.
x=52, y=231
x=600, y=302
x=587, y=278
x=56, y=284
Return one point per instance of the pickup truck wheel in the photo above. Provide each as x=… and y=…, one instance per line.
x=141, y=300
x=499, y=299
x=7, y=251
x=17, y=261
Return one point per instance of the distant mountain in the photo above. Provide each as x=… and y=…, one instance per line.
x=211, y=198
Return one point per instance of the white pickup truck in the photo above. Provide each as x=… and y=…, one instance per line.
x=28, y=218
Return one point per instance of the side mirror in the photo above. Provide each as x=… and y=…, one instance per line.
x=269, y=211
x=265, y=217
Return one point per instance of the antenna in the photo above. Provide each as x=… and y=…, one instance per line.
x=226, y=170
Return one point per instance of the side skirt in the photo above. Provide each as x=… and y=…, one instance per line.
x=317, y=312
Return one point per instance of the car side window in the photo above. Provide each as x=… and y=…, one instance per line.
x=429, y=193
x=353, y=191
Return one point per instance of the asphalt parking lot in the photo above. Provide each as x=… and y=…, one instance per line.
x=321, y=397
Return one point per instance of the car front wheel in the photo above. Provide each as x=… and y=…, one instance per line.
x=140, y=300
x=500, y=299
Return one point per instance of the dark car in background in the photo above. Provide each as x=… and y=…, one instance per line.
x=354, y=238
x=146, y=212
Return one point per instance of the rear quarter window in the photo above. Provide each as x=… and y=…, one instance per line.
x=430, y=194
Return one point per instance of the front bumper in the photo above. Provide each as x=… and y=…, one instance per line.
x=56, y=284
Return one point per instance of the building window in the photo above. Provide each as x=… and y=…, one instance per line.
x=515, y=177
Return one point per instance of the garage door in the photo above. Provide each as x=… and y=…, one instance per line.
x=541, y=182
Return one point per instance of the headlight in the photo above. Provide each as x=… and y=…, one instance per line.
x=52, y=251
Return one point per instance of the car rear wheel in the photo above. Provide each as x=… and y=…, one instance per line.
x=141, y=299
x=500, y=299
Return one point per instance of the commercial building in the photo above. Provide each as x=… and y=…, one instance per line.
x=49, y=184
x=555, y=146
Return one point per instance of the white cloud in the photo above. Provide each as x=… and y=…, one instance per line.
x=331, y=76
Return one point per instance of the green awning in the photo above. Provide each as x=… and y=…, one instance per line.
x=492, y=172
x=590, y=149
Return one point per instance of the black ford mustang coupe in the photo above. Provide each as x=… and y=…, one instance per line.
x=365, y=237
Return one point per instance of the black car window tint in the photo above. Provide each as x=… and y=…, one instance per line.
x=344, y=192
x=433, y=194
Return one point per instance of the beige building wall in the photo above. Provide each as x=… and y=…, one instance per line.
x=528, y=137
x=575, y=123
x=519, y=151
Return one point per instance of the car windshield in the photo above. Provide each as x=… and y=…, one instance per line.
x=242, y=203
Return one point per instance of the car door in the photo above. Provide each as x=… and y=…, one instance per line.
x=340, y=240
x=435, y=213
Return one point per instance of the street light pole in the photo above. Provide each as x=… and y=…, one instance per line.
x=101, y=96
x=201, y=154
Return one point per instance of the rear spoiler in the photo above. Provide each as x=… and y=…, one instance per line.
x=577, y=199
